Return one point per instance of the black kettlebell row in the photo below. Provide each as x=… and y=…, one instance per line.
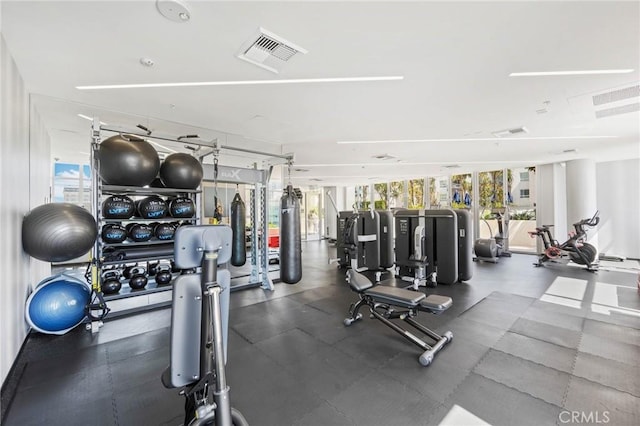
x=151, y=207
x=137, y=276
x=114, y=233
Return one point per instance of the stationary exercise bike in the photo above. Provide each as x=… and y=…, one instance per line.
x=490, y=249
x=575, y=248
x=199, y=325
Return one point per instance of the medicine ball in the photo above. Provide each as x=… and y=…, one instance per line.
x=118, y=207
x=152, y=207
x=113, y=233
x=58, y=232
x=127, y=161
x=164, y=231
x=182, y=207
x=180, y=170
x=139, y=232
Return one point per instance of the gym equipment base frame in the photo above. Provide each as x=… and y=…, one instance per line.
x=387, y=303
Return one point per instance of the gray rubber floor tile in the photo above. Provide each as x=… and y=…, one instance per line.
x=534, y=379
x=375, y=402
x=561, y=309
x=501, y=405
x=616, y=318
x=497, y=319
x=557, y=319
x=547, y=354
x=291, y=346
x=609, y=331
x=324, y=415
x=546, y=332
x=610, y=349
x=437, y=381
x=468, y=330
x=148, y=403
x=507, y=302
x=620, y=408
x=614, y=374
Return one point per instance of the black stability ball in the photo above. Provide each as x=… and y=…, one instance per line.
x=58, y=232
x=127, y=161
x=182, y=171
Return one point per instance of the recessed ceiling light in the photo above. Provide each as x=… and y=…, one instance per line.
x=578, y=72
x=528, y=138
x=242, y=82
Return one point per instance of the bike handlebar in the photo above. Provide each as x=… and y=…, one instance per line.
x=591, y=222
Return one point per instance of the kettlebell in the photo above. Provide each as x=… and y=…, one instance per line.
x=163, y=275
x=152, y=268
x=111, y=282
x=138, y=279
x=127, y=271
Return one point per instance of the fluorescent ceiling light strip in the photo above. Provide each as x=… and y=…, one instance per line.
x=243, y=82
x=86, y=117
x=579, y=72
x=432, y=163
x=494, y=139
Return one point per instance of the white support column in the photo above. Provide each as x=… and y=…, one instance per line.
x=551, y=202
x=582, y=201
x=475, y=204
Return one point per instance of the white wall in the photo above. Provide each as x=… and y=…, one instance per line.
x=618, y=199
x=18, y=272
x=14, y=203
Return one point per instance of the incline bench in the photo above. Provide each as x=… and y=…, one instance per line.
x=387, y=303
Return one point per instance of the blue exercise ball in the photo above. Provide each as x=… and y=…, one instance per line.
x=57, y=305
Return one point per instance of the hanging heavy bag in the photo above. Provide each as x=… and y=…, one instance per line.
x=290, y=240
x=238, y=218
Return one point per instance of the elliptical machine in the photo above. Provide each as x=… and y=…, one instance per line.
x=199, y=325
x=491, y=249
x=576, y=249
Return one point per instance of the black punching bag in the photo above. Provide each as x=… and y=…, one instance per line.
x=290, y=244
x=238, y=246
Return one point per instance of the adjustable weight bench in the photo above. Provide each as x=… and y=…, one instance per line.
x=387, y=303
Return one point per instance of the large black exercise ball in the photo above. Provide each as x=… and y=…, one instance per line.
x=127, y=160
x=182, y=171
x=118, y=207
x=58, y=232
x=57, y=305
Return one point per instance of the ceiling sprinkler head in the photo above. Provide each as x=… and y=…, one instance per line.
x=147, y=62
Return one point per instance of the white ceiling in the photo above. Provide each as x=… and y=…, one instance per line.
x=455, y=58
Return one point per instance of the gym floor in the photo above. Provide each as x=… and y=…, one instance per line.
x=538, y=346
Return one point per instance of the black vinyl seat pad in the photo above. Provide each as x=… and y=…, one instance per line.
x=408, y=298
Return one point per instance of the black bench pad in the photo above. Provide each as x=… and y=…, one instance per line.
x=435, y=303
x=396, y=296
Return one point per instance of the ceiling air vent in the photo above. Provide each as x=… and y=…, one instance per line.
x=452, y=166
x=383, y=157
x=269, y=51
x=622, y=109
x=617, y=95
x=510, y=132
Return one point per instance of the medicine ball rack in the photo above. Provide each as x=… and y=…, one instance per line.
x=156, y=296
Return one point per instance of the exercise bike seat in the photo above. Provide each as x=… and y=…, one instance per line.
x=166, y=378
